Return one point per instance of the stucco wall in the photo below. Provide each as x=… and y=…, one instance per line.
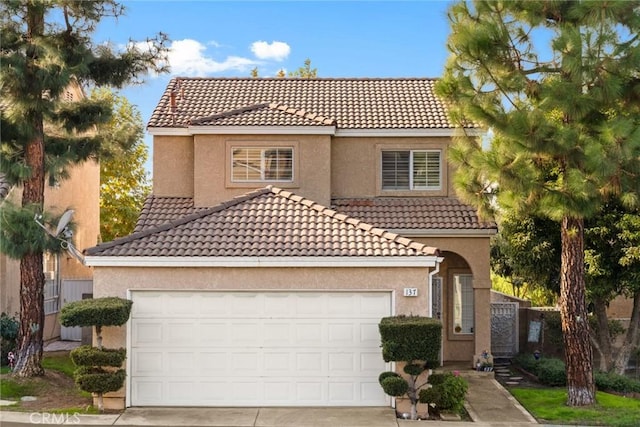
x=173, y=166
x=199, y=166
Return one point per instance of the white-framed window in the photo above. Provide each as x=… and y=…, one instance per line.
x=259, y=164
x=51, y=263
x=411, y=170
x=463, y=304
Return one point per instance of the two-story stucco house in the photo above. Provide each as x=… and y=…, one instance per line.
x=287, y=217
x=66, y=279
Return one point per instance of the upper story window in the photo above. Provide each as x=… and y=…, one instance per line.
x=258, y=164
x=411, y=170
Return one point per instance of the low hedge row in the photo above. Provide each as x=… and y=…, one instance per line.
x=551, y=372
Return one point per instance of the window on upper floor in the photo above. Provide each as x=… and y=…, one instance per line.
x=260, y=164
x=411, y=170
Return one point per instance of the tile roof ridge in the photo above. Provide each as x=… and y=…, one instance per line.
x=228, y=113
x=361, y=225
x=177, y=222
x=178, y=78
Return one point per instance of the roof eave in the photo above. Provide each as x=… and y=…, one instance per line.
x=422, y=132
x=282, y=262
x=242, y=130
x=310, y=130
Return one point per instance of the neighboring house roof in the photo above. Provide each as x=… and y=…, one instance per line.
x=414, y=213
x=347, y=103
x=265, y=223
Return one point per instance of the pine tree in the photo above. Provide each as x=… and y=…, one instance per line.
x=557, y=84
x=305, y=72
x=45, y=46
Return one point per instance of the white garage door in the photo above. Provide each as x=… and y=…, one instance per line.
x=256, y=348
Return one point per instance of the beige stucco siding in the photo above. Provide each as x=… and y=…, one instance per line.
x=173, y=166
x=212, y=183
x=115, y=281
x=356, y=165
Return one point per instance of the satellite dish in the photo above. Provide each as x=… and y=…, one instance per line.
x=64, y=221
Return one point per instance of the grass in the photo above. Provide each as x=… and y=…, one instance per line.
x=549, y=405
x=59, y=395
x=12, y=390
x=60, y=362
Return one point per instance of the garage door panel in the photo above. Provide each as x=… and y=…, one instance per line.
x=340, y=334
x=147, y=363
x=287, y=349
x=214, y=331
x=277, y=333
x=147, y=332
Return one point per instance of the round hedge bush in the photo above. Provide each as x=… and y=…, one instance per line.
x=395, y=386
x=91, y=356
x=97, y=380
x=386, y=374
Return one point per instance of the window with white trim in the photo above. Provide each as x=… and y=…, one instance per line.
x=411, y=170
x=51, y=283
x=463, y=304
x=259, y=164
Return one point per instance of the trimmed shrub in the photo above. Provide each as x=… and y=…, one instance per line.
x=610, y=381
x=552, y=372
x=395, y=386
x=9, y=327
x=527, y=362
x=387, y=374
x=407, y=338
x=436, y=379
x=91, y=356
x=447, y=394
x=100, y=381
x=416, y=341
x=414, y=369
x=108, y=311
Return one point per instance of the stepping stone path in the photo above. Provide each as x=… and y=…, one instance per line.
x=506, y=375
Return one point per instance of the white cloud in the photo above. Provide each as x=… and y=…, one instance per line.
x=276, y=51
x=188, y=58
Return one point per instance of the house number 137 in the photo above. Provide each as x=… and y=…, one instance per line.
x=410, y=292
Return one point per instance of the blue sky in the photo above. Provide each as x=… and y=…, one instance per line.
x=229, y=38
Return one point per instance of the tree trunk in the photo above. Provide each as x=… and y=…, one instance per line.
x=604, y=335
x=631, y=339
x=573, y=311
x=29, y=361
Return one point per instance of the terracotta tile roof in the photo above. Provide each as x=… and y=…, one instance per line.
x=349, y=103
x=159, y=210
x=440, y=213
x=255, y=115
x=269, y=223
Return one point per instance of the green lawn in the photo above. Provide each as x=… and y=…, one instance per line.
x=548, y=405
x=60, y=362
